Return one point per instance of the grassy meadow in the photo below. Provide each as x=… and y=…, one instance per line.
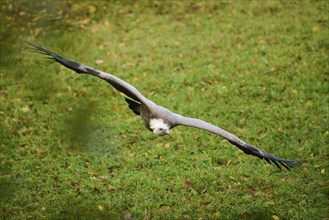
x=70, y=148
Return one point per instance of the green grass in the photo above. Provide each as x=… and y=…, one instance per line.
x=71, y=149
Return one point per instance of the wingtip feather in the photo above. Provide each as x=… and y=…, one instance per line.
x=288, y=164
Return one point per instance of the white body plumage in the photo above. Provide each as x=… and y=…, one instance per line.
x=159, y=127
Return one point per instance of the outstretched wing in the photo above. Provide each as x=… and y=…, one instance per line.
x=246, y=148
x=117, y=83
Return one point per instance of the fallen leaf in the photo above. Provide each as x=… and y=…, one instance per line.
x=127, y=216
x=269, y=203
x=99, y=62
x=275, y=217
x=75, y=7
x=85, y=21
x=25, y=109
x=315, y=29
x=268, y=191
x=91, y=9
x=110, y=187
x=205, y=203
x=74, y=183
x=100, y=208
x=91, y=173
x=103, y=177
x=187, y=184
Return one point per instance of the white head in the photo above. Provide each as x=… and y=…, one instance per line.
x=159, y=127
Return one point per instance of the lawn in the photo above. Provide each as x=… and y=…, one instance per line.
x=72, y=149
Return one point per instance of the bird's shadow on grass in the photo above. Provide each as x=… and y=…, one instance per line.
x=84, y=133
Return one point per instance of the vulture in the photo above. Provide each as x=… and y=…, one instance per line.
x=161, y=120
